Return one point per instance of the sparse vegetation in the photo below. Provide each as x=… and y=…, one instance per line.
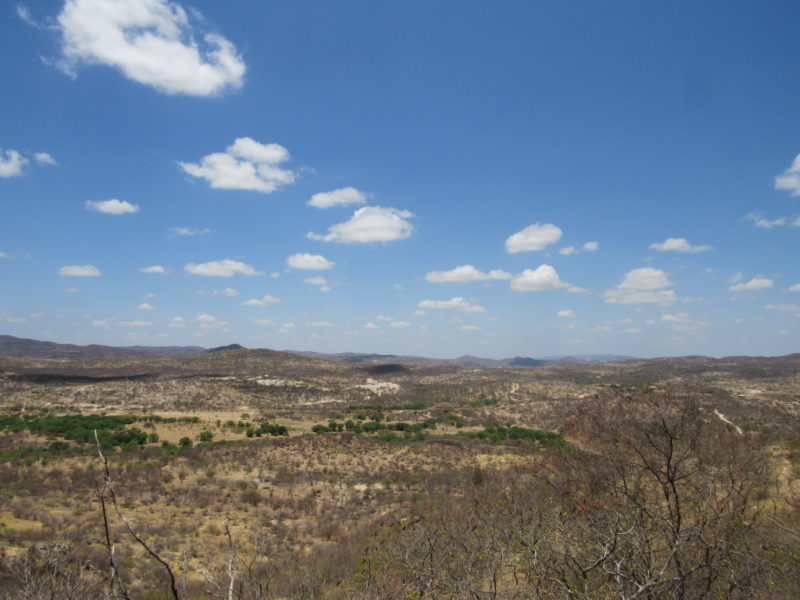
x=503, y=483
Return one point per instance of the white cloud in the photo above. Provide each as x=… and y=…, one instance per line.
x=678, y=245
x=146, y=306
x=12, y=164
x=189, y=231
x=567, y=250
x=112, y=207
x=789, y=180
x=72, y=290
x=591, y=246
x=154, y=269
x=245, y=165
x=286, y=328
x=794, y=288
x=399, y=324
x=3, y=255
x=262, y=302
x=465, y=274
x=340, y=197
x=210, y=322
x=643, y=285
x=736, y=278
x=543, y=278
x=384, y=318
x=680, y=317
x=315, y=281
x=177, y=323
x=79, y=271
x=469, y=328
x=25, y=14
x=760, y=220
x=633, y=330
x=221, y=268
x=371, y=326
x=567, y=314
x=152, y=42
x=135, y=324
x=532, y=238
x=43, y=158
x=757, y=283
x=230, y=292
x=370, y=224
x=99, y=323
x=322, y=324
x=790, y=308
x=459, y=304
x=309, y=262
x=263, y=322
x=325, y=288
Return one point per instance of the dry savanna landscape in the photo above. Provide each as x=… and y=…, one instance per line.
x=237, y=473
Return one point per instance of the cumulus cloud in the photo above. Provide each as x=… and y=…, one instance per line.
x=177, y=323
x=532, y=238
x=680, y=317
x=262, y=302
x=794, y=288
x=309, y=262
x=263, y=322
x=757, y=283
x=469, y=328
x=567, y=314
x=245, y=165
x=79, y=271
x=135, y=324
x=644, y=285
x=678, y=245
x=112, y=207
x=315, y=281
x=399, y=324
x=760, y=220
x=152, y=42
x=587, y=247
x=221, y=268
x=43, y=158
x=189, y=231
x=209, y=321
x=543, y=278
x=230, y=292
x=465, y=274
x=370, y=224
x=146, y=306
x=12, y=164
x=789, y=180
x=154, y=269
x=459, y=304
x=340, y=197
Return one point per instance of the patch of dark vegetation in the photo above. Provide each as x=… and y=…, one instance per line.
x=225, y=348
x=386, y=369
x=64, y=379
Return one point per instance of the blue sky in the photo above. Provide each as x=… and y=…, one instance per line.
x=434, y=178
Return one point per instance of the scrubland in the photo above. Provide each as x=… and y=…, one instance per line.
x=264, y=475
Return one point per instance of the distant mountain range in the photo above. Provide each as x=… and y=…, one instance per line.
x=21, y=347
x=11, y=346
